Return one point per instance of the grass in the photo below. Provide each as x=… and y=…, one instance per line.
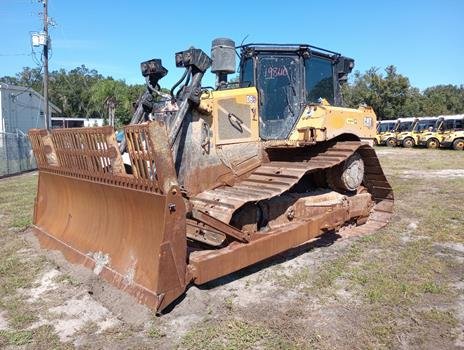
x=42, y=337
x=401, y=274
x=437, y=316
x=155, y=333
x=66, y=279
x=17, y=202
x=16, y=337
x=232, y=334
x=18, y=272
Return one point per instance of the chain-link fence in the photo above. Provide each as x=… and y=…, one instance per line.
x=15, y=154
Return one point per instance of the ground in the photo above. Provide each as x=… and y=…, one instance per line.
x=401, y=287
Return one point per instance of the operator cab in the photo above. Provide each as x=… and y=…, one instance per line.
x=386, y=126
x=424, y=124
x=288, y=78
x=404, y=124
x=453, y=122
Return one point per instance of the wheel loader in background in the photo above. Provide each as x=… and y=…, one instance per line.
x=385, y=133
x=211, y=180
x=410, y=137
x=453, y=132
x=448, y=132
x=401, y=125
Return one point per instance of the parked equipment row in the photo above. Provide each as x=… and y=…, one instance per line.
x=430, y=132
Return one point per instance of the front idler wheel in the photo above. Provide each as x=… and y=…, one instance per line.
x=347, y=176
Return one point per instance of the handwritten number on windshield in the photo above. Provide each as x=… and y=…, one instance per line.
x=275, y=72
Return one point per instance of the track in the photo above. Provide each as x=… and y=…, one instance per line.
x=274, y=178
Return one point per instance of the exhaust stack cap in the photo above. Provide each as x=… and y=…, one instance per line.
x=223, y=56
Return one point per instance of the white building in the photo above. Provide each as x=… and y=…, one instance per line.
x=21, y=109
x=64, y=122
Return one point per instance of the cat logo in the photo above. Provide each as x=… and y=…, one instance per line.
x=368, y=122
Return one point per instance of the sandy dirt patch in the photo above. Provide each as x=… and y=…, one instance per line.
x=3, y=321
x=443, y=173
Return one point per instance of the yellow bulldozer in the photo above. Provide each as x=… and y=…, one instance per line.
x=208, y=181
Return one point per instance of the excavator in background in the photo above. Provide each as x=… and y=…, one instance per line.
x=208, y=181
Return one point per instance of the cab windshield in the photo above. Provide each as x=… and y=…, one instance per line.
x=404, y=126
x=438, y=125
x=384, y=127
x=277, y=82
x=451, y=124
x=422, y=125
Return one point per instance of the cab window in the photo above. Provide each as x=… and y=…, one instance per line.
x=247, y=73
x=424, y=125
x=319, y=79
x=459, y=124
x=448, y=124
x=384, y=127
x=404, y=126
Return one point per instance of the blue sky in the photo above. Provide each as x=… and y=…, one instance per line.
x=424, y=39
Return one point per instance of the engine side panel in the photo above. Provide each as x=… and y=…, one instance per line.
x=324, y=122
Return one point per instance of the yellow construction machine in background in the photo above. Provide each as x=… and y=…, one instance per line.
x=448, y=132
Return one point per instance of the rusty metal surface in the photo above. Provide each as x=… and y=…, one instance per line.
x=86, y=153
x=200, y=232
x=208, y=265
x=130, y=229
x=221, y=226
x=268, y=180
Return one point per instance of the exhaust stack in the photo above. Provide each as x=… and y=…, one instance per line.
x=223, y=56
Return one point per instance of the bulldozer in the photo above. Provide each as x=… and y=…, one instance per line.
x=210, y=180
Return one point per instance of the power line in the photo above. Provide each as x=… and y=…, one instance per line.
x=14, y=54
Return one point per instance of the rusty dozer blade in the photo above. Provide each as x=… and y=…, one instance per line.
x=125, y=227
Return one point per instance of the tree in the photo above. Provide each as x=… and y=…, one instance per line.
x=444, y=99
x=81, y=92
x=387, y=95
x=392, y=96
x=71, y=91
x=109, y=94
x=28, y=77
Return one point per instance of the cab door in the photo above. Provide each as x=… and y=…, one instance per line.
x=279, y=93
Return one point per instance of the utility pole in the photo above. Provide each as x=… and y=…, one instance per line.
x=45, y=64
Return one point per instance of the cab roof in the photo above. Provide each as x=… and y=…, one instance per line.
x=451, y=117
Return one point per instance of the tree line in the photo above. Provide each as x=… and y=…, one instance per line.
x=83, y=92
x=391, y=95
